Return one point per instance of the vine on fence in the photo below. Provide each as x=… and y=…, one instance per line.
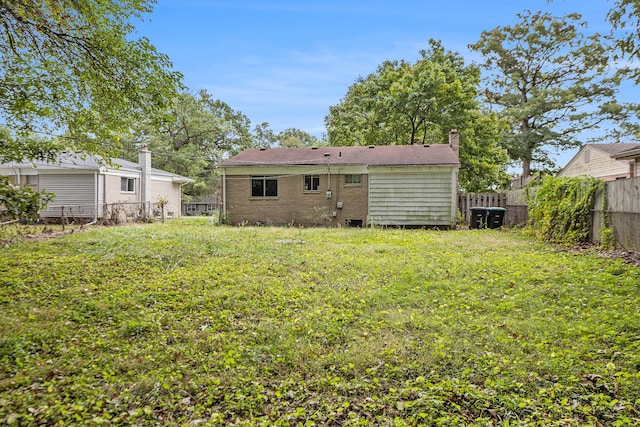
x=560, y=208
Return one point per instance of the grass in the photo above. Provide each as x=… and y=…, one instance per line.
x=188, y=323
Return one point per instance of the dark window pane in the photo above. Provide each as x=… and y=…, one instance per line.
x=257, y=187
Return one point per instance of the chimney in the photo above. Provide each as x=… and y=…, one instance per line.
x=144, y=159
x=454, y=140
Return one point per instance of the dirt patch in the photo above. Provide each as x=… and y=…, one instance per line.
x=630, y=257
x=627, y=256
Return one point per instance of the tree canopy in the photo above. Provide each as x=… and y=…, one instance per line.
x=405, y=103
x=75, y=68
x=197, y=131
x=550, y=80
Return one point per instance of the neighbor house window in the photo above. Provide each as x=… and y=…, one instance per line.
x=191, y=208
x=127, y=185
x=312, y=183
x=264, y=186
x=353, y=179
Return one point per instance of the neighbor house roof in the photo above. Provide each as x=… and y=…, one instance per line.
x=379, y=155
x=631, y=152
x=613, y=149
x=79, y=161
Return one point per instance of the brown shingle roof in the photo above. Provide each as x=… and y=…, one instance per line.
x=379, y=155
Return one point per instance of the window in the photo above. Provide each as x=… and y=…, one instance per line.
x=353, y=179
x=127, y=185
x=587, y=156
x=312, y=183
x=192, y=207
x=264, y=186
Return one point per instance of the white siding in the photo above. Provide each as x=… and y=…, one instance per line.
x=412, y=196
x=74, y=195
x=597, y=163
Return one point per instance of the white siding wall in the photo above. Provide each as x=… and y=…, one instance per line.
x=594, y=162
x=412, y=196
x=171, y=192
x=75, y=192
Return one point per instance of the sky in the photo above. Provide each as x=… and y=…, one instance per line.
x=286, y=62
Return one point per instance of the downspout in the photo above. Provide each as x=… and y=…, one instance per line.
x=144, y=160
x=97, y=199
x=17, y=172
x=223, y=214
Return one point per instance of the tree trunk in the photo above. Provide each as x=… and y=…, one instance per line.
x=526, y=168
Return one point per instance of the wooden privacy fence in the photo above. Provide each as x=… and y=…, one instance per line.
x=622, y=209
x=466, y=201
x=512, y=201
x=618, y=207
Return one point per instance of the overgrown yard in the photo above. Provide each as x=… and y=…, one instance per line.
x=187, y=323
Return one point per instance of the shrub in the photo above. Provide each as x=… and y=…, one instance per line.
x=560, y=209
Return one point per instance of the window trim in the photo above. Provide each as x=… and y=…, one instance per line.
x=125, y=188
x=314, y=179
x=264, y=179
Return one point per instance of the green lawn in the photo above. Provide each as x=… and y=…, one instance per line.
x=189, y=323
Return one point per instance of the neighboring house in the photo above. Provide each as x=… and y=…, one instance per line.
x=401, y=185
x=86, y=188
x=602, y=161
x=200, y=206
x=632, y=155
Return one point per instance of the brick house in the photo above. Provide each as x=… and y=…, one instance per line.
x=395, y=185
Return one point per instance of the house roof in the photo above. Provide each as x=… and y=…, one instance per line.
x=630, y=153
x=613, y=149
x=78, y=161
x=379, y=155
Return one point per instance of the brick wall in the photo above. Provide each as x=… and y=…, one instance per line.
x=293, y=205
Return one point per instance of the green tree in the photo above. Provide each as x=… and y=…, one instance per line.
x=550, y=81
x=293, y=137
x=263, y=136
x=75, y=68
x=624, y=17
x=197, y=132
x=405, y=103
